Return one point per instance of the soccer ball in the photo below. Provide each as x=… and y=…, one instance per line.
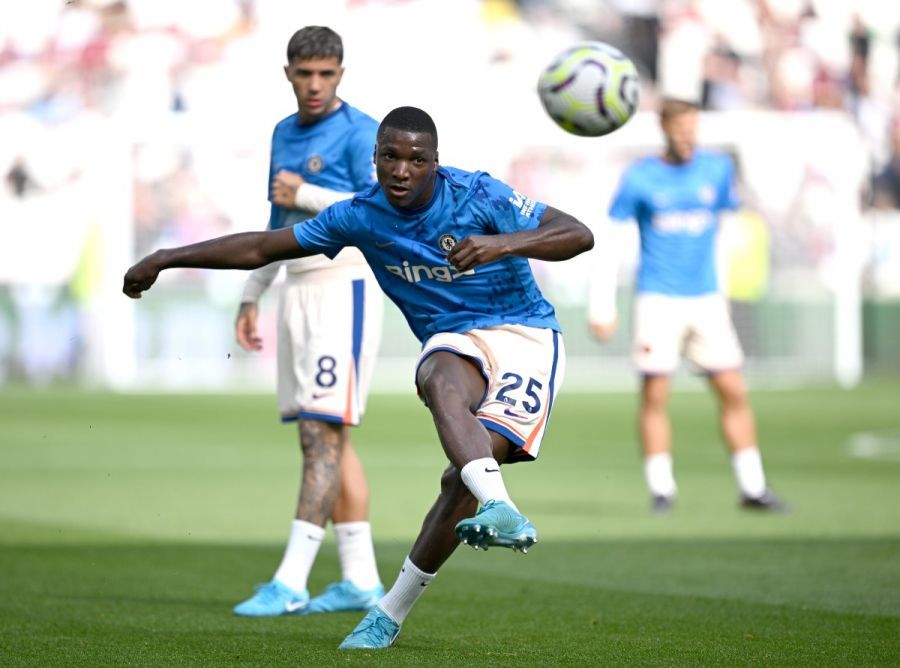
x=590, y=89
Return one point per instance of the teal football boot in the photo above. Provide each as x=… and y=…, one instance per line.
x=376, y=631
x=273, y=599
x=497, y=524
x=345, y=596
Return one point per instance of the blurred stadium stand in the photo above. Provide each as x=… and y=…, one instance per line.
x=130, y=125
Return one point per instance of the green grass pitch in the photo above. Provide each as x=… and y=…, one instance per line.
x=130, y=525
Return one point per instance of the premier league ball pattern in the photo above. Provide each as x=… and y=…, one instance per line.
x=590, y=89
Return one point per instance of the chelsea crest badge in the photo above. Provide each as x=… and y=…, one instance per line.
x=447, y=242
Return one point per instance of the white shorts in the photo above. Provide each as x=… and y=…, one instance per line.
x=329, y=333
x=523, y=368
x=700, y=328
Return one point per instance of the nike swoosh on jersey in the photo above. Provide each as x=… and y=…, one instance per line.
x=383, y=245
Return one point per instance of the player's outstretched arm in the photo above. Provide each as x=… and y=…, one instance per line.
x=558, y=237
x=245, y=250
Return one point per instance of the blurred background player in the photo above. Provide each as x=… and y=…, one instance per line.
x=329, y=330
x=451, y=249
x=678, y=308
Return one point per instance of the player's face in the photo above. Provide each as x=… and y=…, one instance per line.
x=681, y=135
x=406, y=163
x=315, y=83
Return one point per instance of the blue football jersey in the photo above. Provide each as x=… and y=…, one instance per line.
x=677, y=211
x=407, y=253
x=334, y=152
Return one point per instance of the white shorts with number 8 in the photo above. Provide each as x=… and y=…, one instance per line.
x=523, y=368
x=329, y=333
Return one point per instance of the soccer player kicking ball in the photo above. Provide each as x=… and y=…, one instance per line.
x=451, y=249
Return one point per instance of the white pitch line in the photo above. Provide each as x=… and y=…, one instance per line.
x=875, y=445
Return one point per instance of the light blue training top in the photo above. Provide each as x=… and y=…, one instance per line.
x=677, y=211
x=407, y=253
x=335, y=152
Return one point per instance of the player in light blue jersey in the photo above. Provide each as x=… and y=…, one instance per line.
x=679, y=308
x=408, y=253
x=329, y=330
x=450, y=248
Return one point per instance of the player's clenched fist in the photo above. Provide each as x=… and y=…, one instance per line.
x=141, y=276
x=284, y=188
x=477, y=250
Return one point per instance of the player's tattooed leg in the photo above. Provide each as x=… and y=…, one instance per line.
x=321, y=443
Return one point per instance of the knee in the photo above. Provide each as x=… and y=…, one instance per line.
x=735, y=402
x=320, y=440
x=733, y=397
x=654, y=404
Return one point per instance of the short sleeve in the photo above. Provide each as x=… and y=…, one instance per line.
x=273, y=210
x=327, y=232
x=508, y=209
x=362, y=149
x=727, y=196
x=625, y=201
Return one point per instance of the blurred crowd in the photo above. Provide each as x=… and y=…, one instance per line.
x=134, y=60
x=787, y=55
x=89, y=83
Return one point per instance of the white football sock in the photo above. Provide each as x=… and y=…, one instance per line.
x=658, y=471
x=356, y=553
x=483, y=478
x=748, y=470
x=405, y=592
x=299, y=555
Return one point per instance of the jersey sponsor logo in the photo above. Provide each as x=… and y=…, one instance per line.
x=315, y=164
x=685, y=222
x=419, y=272
x=707, y=194
x=447, y=242
x=525, y=205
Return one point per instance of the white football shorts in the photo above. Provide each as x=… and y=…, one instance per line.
x=523, y=368
x=329, y=333
x=699, y=328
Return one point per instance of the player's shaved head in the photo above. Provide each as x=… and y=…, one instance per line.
x=315, y=42
x=408, y=119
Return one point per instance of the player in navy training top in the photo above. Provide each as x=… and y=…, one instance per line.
x=679, y=308
x=450, y=248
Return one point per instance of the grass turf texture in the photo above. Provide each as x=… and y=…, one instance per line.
x=130, y=525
